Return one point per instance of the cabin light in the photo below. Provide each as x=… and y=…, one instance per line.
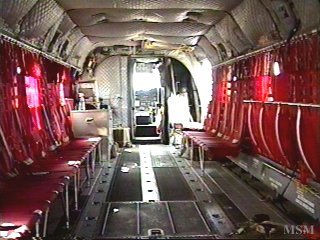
x=94, y=139
x=37, y=70
x=6, y=224
x=276, y=68
x=72, y=163
x=19, y=70
x=4, y=234
x=14, y=235
x=234, y=78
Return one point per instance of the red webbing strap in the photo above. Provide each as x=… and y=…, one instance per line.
x=35, y=119
x=287, y=134
x=216, y=115
x=207, y=121
x=56, y=110
x=50, y=120
x=11, y=139
x=308, y=135
x=269, y=130
x=67, y=110
x=254, y=115
x=223, y=107
x=31, y=134
x=234, y=99
x=49, y=102
x=7, y=159
x=14, y=138
x=239, y=113
x=36, y=139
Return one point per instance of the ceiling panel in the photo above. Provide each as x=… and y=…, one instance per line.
x=199, y=53
x=40, y=18
x=210, y=50
x=87, y=17
x=66, y=25
x=260, y=31
x=211, y=25
x=113, y=41
x=173, y=40
x=150, y=4
x=136, y=28
x=12, y=11
x=80, y=51
x=230, y=31
x=308, y=12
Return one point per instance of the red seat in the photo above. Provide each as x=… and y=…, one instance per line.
x=308, y=136
x=226, y=144
x=26, y=198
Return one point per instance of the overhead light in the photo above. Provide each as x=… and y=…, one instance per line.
x=234, y=78
x=19, y=70
x=276, y=68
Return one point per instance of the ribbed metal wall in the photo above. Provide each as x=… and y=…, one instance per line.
x=246, y=25
x=112, y=78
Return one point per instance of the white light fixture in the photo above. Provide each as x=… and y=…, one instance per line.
x=19, y=70
x=234, y=78
x=276, y=68
x=94, y=139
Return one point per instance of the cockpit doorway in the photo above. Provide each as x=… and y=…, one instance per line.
x=147, y=101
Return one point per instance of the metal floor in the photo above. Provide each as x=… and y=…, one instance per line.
x=150, y=192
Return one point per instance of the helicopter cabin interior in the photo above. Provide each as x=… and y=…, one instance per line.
x=169, y=119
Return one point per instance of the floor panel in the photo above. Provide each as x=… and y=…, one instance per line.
x=172, y=185
x=187, y=218
x=127, y=185
x=137, y=219
x=189, y=205
x=121, y=220
x=154, y=215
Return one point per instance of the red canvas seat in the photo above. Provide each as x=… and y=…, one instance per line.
x=287, y=135
x=21, y=223
x=229, y=144
x=212, y=121
x=220, y=128
x=25, y=199
x=308, y=137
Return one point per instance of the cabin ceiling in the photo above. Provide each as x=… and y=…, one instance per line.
x=217, y=29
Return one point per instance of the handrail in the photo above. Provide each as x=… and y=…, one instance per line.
x=285, y=103
x=31, y=48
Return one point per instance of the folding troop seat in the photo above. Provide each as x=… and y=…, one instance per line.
x=83, y=150
x=287, y=134
x=272, y=129
x=213, y=120
x=308, y=137
x=227, y=124
x=227, y=145
x=27, y=200
x=213, y=127
x=28, y=196
x=277, y=126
